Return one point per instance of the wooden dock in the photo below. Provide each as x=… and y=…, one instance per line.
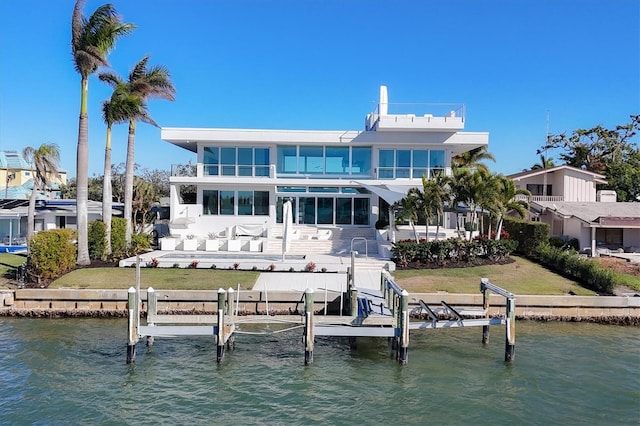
x=362, y=313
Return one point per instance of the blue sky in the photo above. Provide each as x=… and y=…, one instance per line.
x=318, y=65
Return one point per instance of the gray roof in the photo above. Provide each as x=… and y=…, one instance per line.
x=590, y=212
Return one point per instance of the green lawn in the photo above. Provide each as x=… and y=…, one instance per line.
x=520, y=277
x=158, y=278
x=8, y=264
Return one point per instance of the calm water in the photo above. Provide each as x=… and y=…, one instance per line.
x=73, y=371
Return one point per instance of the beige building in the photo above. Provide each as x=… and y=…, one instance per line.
x=567, y=199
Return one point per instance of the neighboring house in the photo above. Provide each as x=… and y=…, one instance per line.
x=341, y=178
x=16, y=178
x=50, y=214
x=566, y=198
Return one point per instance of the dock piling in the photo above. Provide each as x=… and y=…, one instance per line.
x=152, y=311
x=308, y=326
x=510, y=330
x=403, y=347
x=220, y=341
x=486, y=293
x=132, y=335
x=230, y=300
x=353, y=301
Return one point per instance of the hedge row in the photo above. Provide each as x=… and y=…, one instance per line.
x=438, y=253
x=570, y=264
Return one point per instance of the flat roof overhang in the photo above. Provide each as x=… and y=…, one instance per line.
x=189, y=138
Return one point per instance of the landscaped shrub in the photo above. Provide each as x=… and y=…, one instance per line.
x=529, y=235
x=570, y=264
x=52, y=253
x=139, y=243
x=438, y=253
x=97, y=239
x=118, y=244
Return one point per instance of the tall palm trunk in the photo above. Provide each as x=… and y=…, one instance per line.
x=128, y=180
x=106, y=194
x=82, y=179
x=31, y=211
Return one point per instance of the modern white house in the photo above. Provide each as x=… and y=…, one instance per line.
x=336, y=180
x=567, y=199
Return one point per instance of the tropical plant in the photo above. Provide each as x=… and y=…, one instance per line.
x=44, y=165
x=144, y=83
x=144, y=196
x=407, y=211
x=545, y=163
x=507, y=201
x=117, y=109
x=467, y=189
x=473, y=159
x=92, y=39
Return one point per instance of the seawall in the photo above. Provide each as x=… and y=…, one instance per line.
x=113, y=303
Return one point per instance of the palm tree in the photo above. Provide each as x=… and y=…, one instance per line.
x=431, y=200
x=44, y=164
x=545, y=163
x=117, y=109
x=407, y=211
x=467, y=187
x=473, y=159
x=145, y=83
x=91, y=41
x=507, y=201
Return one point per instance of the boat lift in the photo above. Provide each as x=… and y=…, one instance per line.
x=368, y=313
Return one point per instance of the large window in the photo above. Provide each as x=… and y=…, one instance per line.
x=211, y=160
x=325, y=205
x=311, y=160
x=337, y=160
x=244, y=161
x=361, y=160
x=249, y=203
x=317, y=160
x=287, y=159
x=406, y=163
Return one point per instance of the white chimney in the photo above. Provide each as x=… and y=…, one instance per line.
x=606, y=196
x=384, y=101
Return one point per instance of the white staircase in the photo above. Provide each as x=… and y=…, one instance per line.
x=340, y=243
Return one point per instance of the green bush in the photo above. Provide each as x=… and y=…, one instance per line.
x=97, y=240
x=529, y=235
x=139, y=243
x=118, y=244
x=455, y=250
x=52, y=253
x=570, y=264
